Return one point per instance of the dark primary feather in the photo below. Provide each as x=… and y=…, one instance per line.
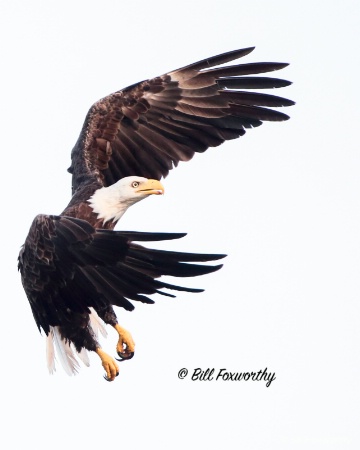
x=68, y=266
x=147, y=128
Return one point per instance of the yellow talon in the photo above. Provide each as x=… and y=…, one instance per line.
x=109, y=364
x=125, y=343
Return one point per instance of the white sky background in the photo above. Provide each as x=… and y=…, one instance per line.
x=282, y=202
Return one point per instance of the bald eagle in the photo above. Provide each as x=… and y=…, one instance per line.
x=74, y=267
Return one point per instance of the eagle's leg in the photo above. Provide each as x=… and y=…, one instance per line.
x=109, y=364
x=82, y=335
x=126, y=346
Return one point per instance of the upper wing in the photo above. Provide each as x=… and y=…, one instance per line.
x=67, y=266
x=147, y=128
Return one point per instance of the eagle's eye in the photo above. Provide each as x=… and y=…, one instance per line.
x=135, y=184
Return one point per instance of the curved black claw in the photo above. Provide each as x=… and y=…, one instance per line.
x=109, y=379
x=124, y=356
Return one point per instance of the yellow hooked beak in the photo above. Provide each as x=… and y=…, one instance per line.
x=151, y=187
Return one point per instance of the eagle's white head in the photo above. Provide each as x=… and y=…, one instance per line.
x=110, y=203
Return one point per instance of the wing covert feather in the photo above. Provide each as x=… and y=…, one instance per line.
x=147, y=128
x=67, y=267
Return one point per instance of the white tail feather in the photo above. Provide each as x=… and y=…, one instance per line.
x=50, y=353
x=65, y=351
x=84, y=356
x=97, y=324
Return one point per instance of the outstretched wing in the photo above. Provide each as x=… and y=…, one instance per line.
x=68, y=266
x=147, y=128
